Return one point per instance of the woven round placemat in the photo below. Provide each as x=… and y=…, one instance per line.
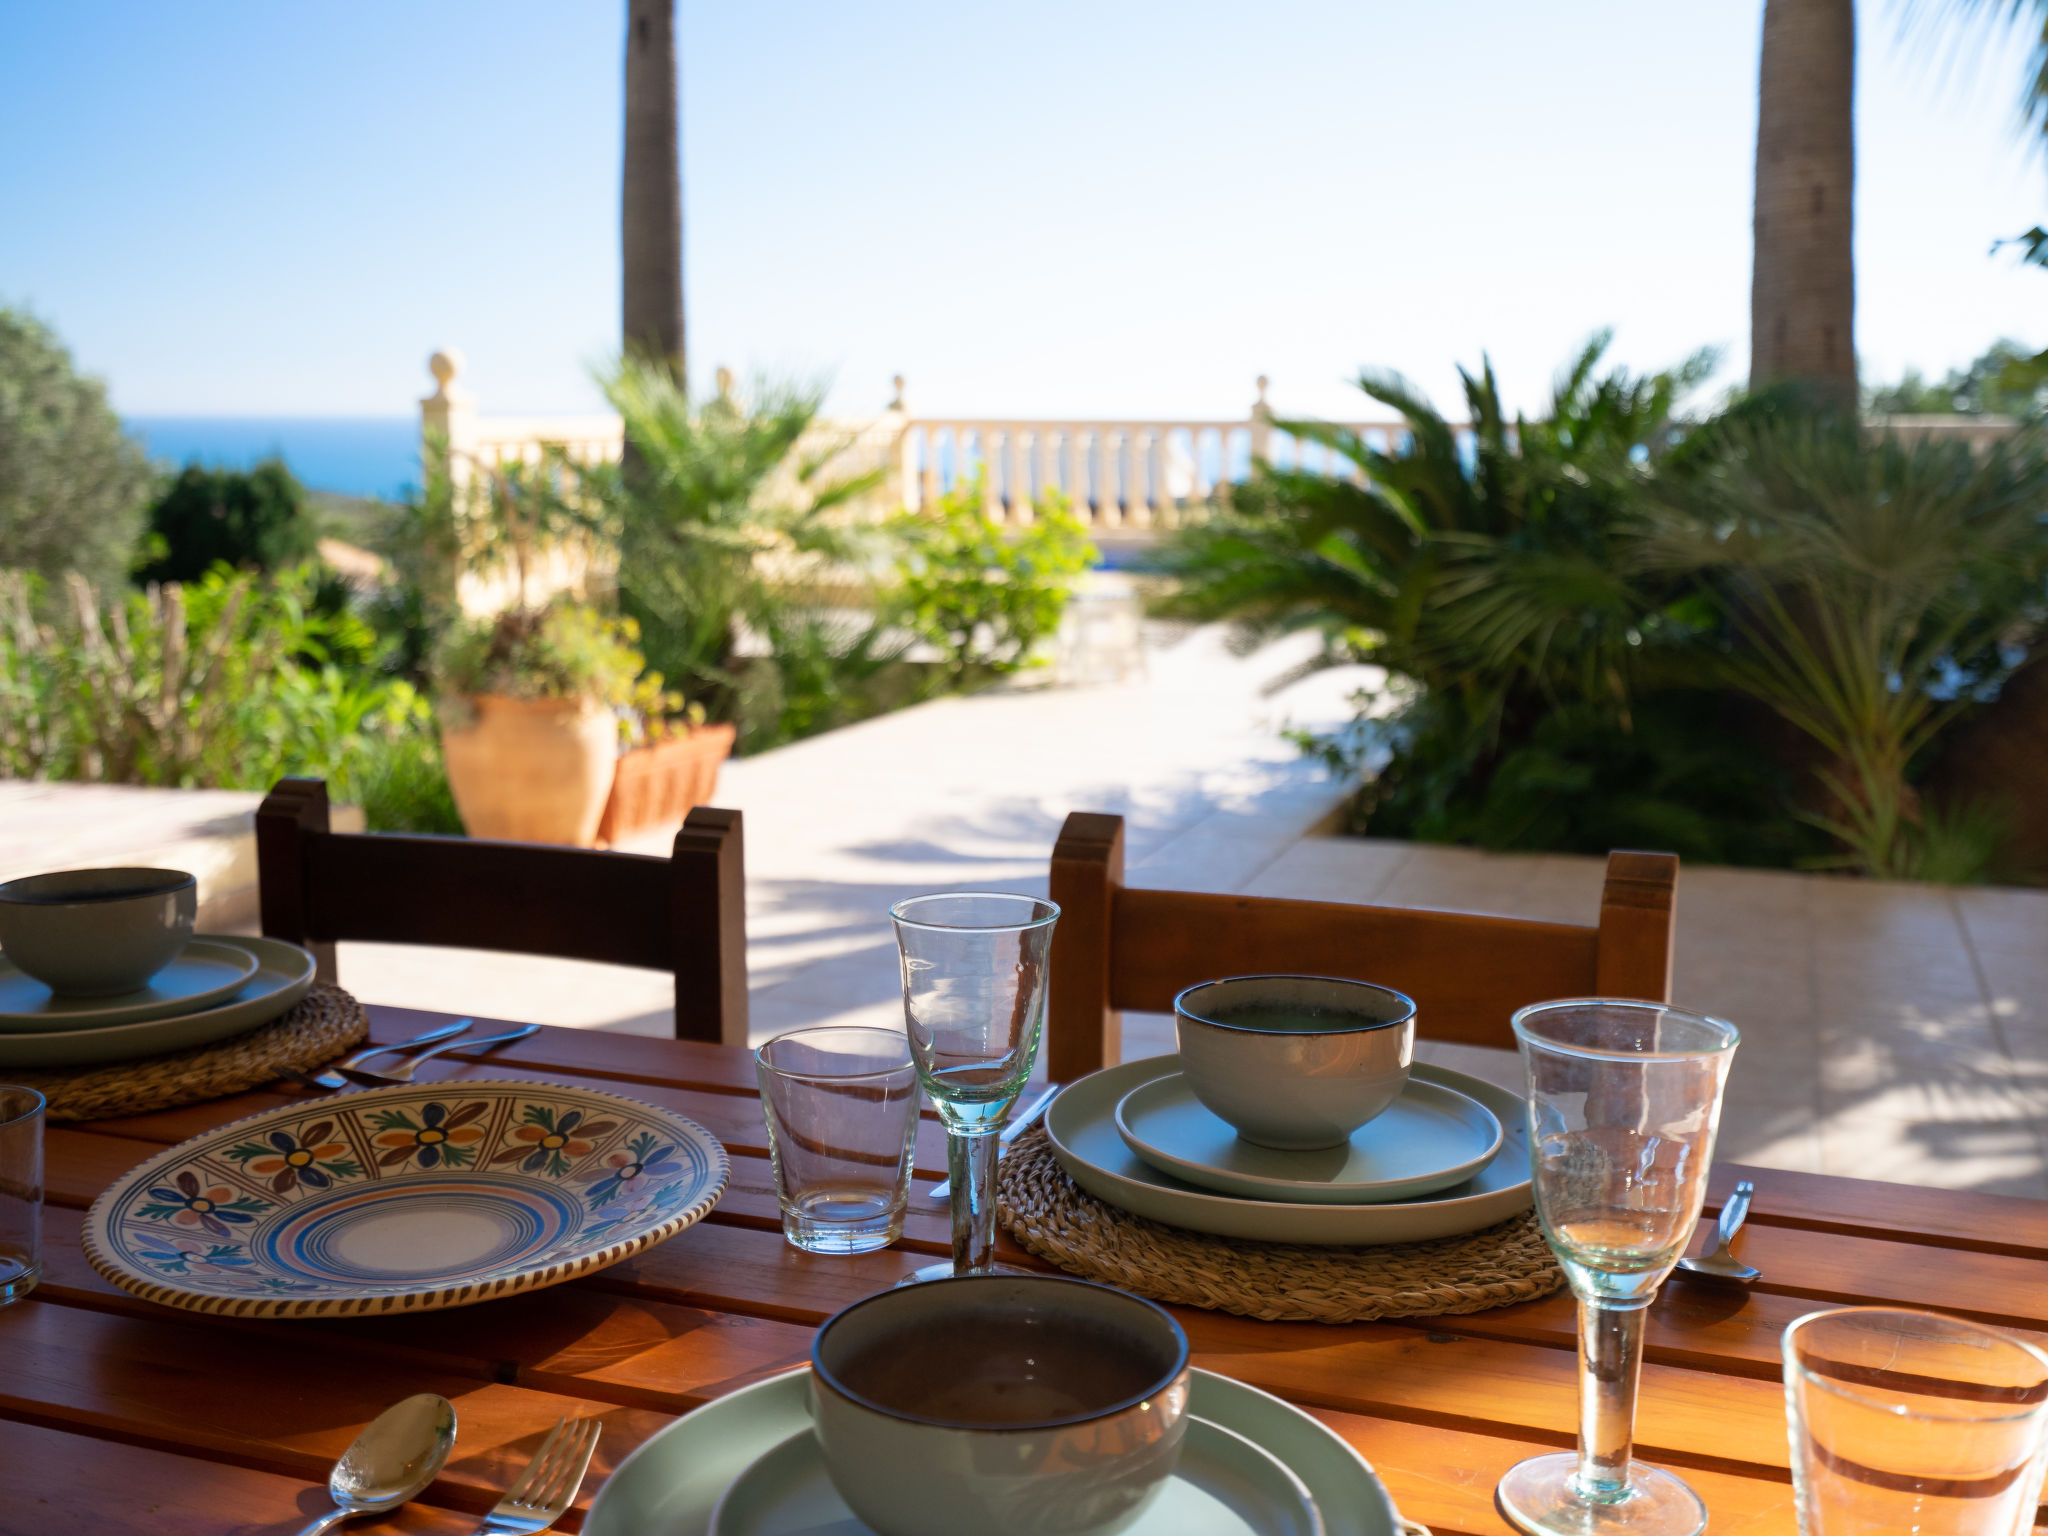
x=318, y=1028
x=1052, y=1216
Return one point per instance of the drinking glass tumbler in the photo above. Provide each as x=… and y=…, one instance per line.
x=974, y=969
x=21, y=1192
x=1910, y=1421
x=841, y=1105
x=1623, y=1101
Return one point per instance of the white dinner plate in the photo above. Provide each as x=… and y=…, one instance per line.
x=1081, y=1124
x=1428, y=1139
x=204, y=972
x=673, y=1483
x=283, y=974
x=1224, y=1485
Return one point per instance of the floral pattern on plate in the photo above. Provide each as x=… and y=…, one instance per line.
x=316, y=1208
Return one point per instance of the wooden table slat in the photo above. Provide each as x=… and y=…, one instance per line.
x=60, y=1482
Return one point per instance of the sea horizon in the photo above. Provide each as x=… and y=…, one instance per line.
x=371, y=456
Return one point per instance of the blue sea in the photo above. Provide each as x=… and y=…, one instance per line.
x=351, y=455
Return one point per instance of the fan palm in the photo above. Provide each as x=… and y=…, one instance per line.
x=1483, y=561
x=721, y=493
x=1873, y=587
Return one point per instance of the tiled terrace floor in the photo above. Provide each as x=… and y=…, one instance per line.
x=1889, y=1031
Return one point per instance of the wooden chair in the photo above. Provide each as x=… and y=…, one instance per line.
x=1117, y=947
x=685, y=914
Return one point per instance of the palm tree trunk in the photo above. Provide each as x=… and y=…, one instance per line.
x=651, y=201
x=1802, y=302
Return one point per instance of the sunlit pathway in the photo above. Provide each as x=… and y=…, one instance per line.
x=959, y=793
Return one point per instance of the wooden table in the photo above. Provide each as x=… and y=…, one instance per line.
x=116, y=1415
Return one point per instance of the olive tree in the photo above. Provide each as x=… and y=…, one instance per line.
x=73, y=485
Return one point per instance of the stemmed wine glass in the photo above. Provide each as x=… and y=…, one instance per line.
x=1624, y=1098
x=974, y=969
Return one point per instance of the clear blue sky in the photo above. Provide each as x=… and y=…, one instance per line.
x=254, y=207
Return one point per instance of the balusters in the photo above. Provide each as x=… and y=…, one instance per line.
x=1016, y=482
x=1108, y=511
x=1137, y=500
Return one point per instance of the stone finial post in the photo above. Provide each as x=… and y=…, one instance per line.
x=447, y=448
x=724, y=377
x=905, y=487
x=447, y=418
x=1262, y=424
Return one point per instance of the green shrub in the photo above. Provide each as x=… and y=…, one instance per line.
x=401, y=784
x=254, y=520
x=73, y=485
x=985, y=596
x=220, y=683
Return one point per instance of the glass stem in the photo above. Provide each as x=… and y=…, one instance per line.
x=1610, y=1363
x=971, y=1165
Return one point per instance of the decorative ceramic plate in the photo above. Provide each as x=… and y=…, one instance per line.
x=675, y=1481
x=403, y=1199
x=1428, y=1139
x=1082, y=1126
x=1223, y=1485
x=202, y=973
x=282, y=976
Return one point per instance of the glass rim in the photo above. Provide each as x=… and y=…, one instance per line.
x=1520, y=1023
x=1047, y=912
x=1835, y=1387
x=36, y=1104
x=909, y=1063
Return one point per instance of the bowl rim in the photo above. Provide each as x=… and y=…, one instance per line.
x=1181, y=1010
x=20, y=892
x=824, y=1375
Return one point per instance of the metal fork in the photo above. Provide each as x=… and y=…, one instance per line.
x=330, y=1077
x=548, y=1485
x=402, y=1073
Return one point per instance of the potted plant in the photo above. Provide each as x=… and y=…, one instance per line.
x=530, y=723
x=669, y=767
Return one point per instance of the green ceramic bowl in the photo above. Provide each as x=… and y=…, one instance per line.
x=97, y=932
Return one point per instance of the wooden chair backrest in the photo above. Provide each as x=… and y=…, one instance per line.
x=1117, y=947
x=685, y=914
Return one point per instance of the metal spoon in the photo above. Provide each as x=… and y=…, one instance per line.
x=398, y=1453
x=1722, y=1263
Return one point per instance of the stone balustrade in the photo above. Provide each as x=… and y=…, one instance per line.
x=1122, y=478
x=1135, y=476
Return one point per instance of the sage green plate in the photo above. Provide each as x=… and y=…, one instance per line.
x=204, y=972
x=672, y=1485
x=1428, y=1139
x=284, y=973
x=1225, y=1485
x=1082, y=1125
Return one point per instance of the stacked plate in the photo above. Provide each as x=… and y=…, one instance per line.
x=217, y=986
x=1451, y=1155
x=748, y=1465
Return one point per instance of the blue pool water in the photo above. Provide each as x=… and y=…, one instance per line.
x=352, y=455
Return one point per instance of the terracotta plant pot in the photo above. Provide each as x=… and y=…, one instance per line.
x=660, y=785
x=531, y=770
